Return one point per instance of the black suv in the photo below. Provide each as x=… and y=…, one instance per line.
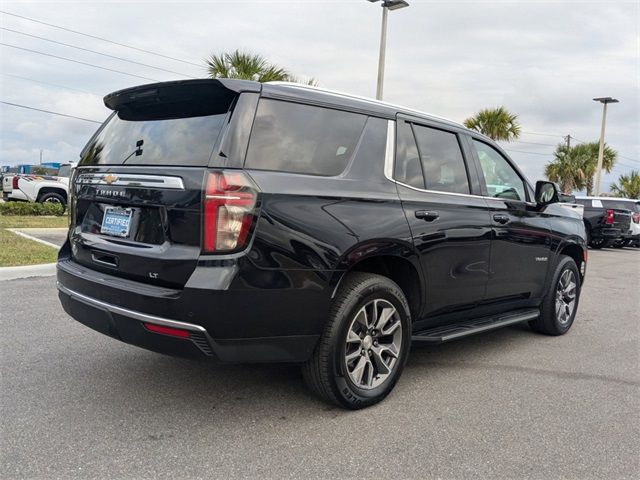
x=247, y=222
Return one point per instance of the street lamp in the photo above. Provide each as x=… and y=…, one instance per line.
x=386, y=5
x=604, y=101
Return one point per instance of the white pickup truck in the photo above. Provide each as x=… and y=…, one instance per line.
x=38, y=188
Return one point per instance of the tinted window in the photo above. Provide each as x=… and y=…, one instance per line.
x=176, y=141
x=64, y=171
x=407, y=168
x=501, y=179
x=442, y=161
x=296, y=138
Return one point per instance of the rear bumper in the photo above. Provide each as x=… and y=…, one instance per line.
x=129, y=326
x=233, y=325
x=608, y=233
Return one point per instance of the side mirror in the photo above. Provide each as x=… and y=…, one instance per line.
x=546, y=193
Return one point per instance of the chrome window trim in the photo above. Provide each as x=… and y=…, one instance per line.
x=132, y=180
x=389, y=161
x=389, y=152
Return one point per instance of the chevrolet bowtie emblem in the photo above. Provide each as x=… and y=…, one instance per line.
x=109, y=179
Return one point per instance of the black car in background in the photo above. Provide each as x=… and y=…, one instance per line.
x=247, y=222
x=608, y=222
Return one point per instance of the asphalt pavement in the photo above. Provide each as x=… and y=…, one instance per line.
x=507, y=404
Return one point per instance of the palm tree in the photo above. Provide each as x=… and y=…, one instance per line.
x=628, y=186
x=574, y=167
x=249, y=66
x=495, y=123
x=587, y=157
x=564, y=169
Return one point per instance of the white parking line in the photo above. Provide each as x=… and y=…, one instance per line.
x=31, y=237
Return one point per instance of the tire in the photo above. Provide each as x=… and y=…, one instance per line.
x=360, y=381
x=556, y=319
x=53, y=197
x=598, y=243
x=619, y=243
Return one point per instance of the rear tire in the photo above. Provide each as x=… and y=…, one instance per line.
x=365, y=344
x=598, y=243
x=619, y=244
x=55, y=198
x=560, y=305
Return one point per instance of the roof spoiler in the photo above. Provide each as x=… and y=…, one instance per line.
x=179, y=90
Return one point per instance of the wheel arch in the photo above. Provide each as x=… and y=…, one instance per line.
x=576, y=252
x=402, y=269
x=44, y=190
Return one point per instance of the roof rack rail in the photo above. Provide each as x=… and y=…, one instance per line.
x=365, y=99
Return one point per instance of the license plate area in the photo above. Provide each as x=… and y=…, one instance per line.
x=116, y=221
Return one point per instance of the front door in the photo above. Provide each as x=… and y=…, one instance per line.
x=450, y=227
x=521, y=244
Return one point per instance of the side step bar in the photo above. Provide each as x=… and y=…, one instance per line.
x=458, y=330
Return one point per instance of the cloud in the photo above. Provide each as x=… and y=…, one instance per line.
x=543, y=60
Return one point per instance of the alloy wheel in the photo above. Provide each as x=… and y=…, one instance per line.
x=373, y=344
x=566, y=293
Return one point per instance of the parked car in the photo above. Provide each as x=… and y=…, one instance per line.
x=247, y=222
x=10, y=189
x=605, y=225
x=41, y=188
x=632, y=237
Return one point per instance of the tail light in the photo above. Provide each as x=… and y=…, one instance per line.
x=229, y=209
x=609, y=219
x=14, y=182
x=172, y=332
x=636, y=217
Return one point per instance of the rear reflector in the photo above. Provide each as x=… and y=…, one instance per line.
x=609, y=220
x=173, y=332
x=636, y=217
x=14, y=182
x=229, y=208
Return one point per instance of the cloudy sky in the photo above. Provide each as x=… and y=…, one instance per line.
x=544, y=60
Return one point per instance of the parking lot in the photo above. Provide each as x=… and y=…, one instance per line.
x=508, y=404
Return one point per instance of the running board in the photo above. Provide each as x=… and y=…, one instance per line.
x=458, y=330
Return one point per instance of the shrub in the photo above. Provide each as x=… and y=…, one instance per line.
x=26, y=208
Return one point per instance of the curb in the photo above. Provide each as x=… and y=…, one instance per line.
x=13, y=273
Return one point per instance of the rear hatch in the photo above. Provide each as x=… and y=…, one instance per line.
x=137, y=193
x=622, y=214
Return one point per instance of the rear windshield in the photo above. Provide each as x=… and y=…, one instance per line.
x=175, y=141
x=620, y=205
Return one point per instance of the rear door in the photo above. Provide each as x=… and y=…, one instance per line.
x=450, y=226
x=137, y=198
x=521, y=244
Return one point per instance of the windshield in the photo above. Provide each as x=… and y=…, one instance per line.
x=176, y=141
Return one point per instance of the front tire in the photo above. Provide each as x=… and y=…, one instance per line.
x=364, y=347
x=560, y=305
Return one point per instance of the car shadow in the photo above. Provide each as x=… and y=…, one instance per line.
x=135, y=380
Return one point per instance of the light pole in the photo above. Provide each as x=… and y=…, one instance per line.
x=386, y=5
x=604, y=101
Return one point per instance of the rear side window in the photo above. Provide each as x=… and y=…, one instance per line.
x=291, y=137
x=408, y=169
x=442, y=162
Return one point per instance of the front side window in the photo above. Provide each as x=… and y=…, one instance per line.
x=291, y=137
x=442, y=160
x=502, y=181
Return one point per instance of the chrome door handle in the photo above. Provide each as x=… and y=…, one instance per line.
x=426, y=215
x=500, y=218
